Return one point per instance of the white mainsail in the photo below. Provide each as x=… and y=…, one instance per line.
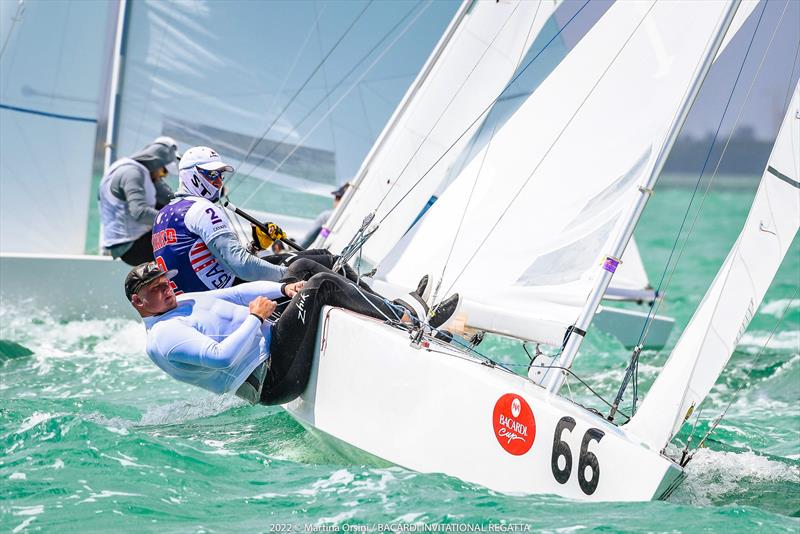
x=590, y=134
x=475, y=59
x=733, y=298
x=48, y=122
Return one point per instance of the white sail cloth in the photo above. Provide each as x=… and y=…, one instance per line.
x=733, y=298
x=551, y=186
x=472, y=63
x=51, y=70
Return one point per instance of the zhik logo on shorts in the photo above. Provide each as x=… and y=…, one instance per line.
x=301, y=308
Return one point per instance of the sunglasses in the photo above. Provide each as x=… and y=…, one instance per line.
x=215, y=178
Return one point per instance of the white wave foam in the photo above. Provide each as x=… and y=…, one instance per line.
x=35, y=419
x=779, y=307
x=22, y=526
x=182, y=411
x=28, y=510
x=117, y=425
x=104, y=494
x=785, y=340
x=713, y=474
x=338, y=518
x=787, y=366
x=341, y=477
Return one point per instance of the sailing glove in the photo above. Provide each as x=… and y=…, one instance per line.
x=263, y=240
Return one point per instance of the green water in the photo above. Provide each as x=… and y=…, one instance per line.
x=95, y=438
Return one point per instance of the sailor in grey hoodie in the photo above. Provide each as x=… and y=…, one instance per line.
x=131, y=193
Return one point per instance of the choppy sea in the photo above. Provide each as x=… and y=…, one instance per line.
x=94, y=438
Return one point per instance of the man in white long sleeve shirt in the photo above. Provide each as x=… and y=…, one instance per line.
x=223, y=340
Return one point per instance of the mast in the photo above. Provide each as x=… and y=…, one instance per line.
x=107, y=110
x=554, y=379
x=465, y=7
x=116, y=81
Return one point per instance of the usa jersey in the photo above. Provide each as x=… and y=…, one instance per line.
x=182, y=229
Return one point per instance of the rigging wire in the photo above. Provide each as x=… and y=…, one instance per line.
x=667, y=273
x=671, y=267
x=16, y=18
x=461, y=221
x=547, y=152
x=749, y=372
x=327, y=87
x=483, y=160
x=313, y=28
x=482, y=113
x=444, y=111
x=148, y=97
x=297, y=92
x=361, y=236
x=344, y=95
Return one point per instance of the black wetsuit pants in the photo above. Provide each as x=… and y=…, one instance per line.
x=140, y=252
x=294, y=334
x=319, y=255
x=304, y=264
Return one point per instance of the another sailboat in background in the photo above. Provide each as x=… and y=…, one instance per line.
x=74, y=97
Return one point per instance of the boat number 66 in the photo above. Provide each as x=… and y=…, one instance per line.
x=587, y=459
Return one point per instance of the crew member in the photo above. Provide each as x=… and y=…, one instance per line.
x=131, y=192
x=223, y=340
x=193, y=236
x=319, y=223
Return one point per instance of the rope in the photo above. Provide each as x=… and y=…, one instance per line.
x=659, y=292
x=463, y=215
x=441, y=115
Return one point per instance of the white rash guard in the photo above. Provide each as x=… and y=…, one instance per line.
x=210, y=339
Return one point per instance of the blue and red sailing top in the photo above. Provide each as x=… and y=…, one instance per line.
x=182, y=229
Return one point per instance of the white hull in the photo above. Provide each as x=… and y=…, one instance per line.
x=437, y=410
x=69, y=286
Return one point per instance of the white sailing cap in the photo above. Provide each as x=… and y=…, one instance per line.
x=193, y=181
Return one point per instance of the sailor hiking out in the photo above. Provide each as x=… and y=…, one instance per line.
x=225, y=341
x=131, y=192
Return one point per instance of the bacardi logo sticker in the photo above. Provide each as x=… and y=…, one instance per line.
x=514, y=425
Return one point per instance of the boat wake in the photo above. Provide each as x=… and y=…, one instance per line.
x=720, y=477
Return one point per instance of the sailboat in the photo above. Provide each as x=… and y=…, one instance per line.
x=585, y=149
x=448, y=114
